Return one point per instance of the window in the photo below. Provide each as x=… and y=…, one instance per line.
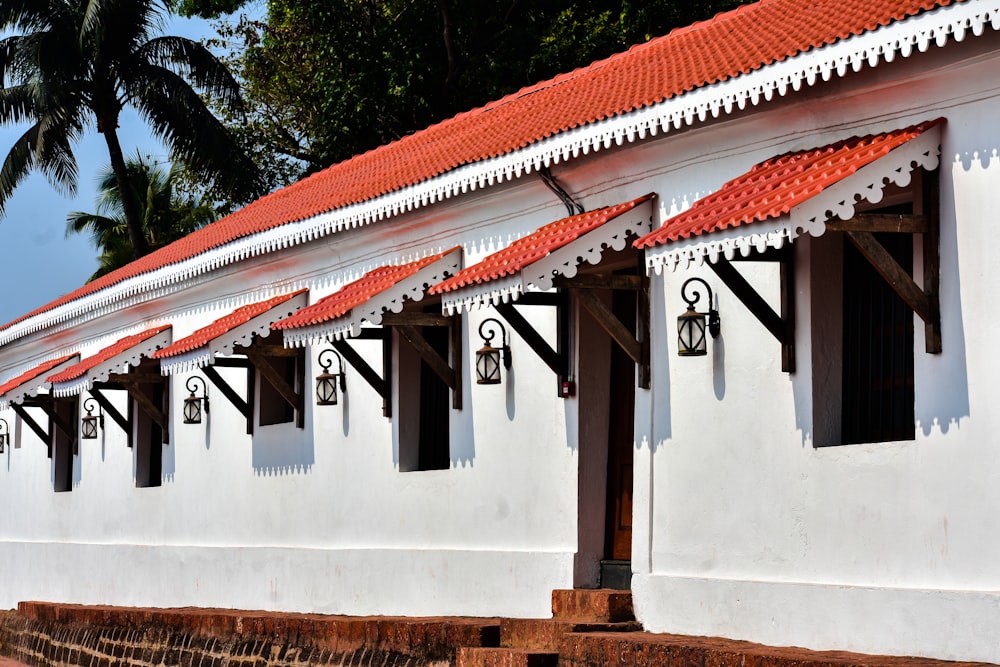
x=280, y=381
x=274, y=409
x=425, y=401
x=149, y=435
x=64, y=443
x=877, y=404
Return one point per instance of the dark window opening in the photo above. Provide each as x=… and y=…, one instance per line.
x=62, y=450
x=274, y=409
x=878, y=349
x=434, y=436
x=149, y=439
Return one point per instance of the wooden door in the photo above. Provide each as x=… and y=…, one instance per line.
x=621, y=434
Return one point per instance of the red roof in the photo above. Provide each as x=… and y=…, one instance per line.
x=773, y=187
x=355, y=294
x=111, y=351
x=730, y=44
x=238, y=317
x=35, y=372
x=535, y=246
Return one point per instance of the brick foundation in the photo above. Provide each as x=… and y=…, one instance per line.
x=51, y=635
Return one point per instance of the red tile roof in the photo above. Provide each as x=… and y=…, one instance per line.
x=35, y=372
x=726, y=46
x=238, y=317
x=535, y=246
x=775, y=186
x=355, y=294
x=111, y=351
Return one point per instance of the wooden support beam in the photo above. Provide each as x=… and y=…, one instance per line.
x=367, y=373
x=47, y=403
x=603, y=281
x=557, y=299
x=612, y=325
x=782, y=328
x=387, y=370
x=242, y=406
x=415, y=320
x=930, y=205
x=556, y=361
x=893, y=273
x=268, y=372
x=158, y=415
x=110, y=410
x=136, y=377
x=881, y=222
x=33, y=425
x=429, y=355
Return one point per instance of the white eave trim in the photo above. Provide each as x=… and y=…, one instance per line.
x=902, y=38
x=840, y=200
x=33, y=386
x=116, y=364
x=615, y=234
x=223, y=344
x=390, y=300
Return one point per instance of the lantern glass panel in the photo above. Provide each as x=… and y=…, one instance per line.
x=89, y=428
x=488, y=365
x=3, y=441
x=326, y=389
x=192, y=410
x=691, y=334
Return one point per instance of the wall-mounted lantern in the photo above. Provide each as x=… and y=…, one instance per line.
x=691, y=340
x=488, y=357
x=4, y=435
x=90, y=422
x=193, y=403
x=326, y=382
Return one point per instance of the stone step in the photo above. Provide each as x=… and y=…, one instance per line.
x=599, y=605
x=504, y=657
x=545, y=634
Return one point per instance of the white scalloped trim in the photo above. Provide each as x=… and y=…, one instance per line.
x=223, y=344
x=391, y=300
x=538, y=276
x=903, y=38
x=809, y=217
x=116, y=364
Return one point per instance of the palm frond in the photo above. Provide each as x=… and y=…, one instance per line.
x=197, y=63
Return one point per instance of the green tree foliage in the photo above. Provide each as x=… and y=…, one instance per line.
x=329, y=79
x=71, y=65
x=164, y=213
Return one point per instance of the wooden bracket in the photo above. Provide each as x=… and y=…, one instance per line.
x=56, y=421
x=555, y=359
x=110, y=410
x=377, y=382
x=132, y=383
x=242, y=406
x=20, y=411
x=924, y=301
x=258, y=356
x=450, y=374
x=636, y=346
x=782, y=326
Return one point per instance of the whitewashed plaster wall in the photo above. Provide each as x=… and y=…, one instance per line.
x=886, y=548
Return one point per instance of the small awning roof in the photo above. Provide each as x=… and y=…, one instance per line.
x=28, y=383
x=219, y=337
x=380, y=290
x=557, y=249
x=791, y=194
x=129, y=350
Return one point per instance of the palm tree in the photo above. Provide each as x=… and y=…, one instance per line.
x=74, y=64
x=164, y=214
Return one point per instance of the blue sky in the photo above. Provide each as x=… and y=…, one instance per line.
x=37, y=262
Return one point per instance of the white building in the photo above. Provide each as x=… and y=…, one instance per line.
x=824, y=476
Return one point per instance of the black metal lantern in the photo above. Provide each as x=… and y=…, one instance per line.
x=90, y=422
x=4, y=435
x=488, y=358
x=326, y=382
x=691, y=339
x=193, y=403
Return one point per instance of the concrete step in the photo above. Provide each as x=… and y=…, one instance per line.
x=545, y=634
x=598, y=605
x=504, y=657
